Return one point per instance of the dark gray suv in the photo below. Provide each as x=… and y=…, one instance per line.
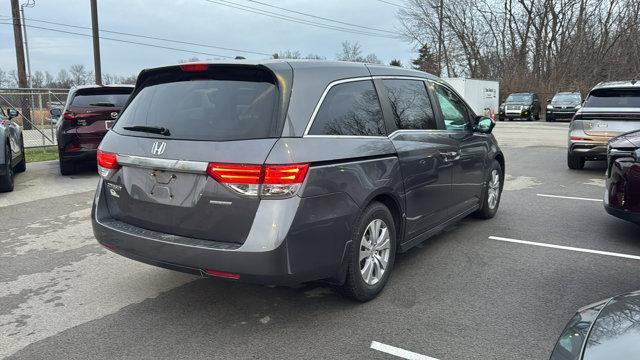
x=283, y=172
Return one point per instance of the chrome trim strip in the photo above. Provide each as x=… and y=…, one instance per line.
x=354, y=162
x=398, y=77
x=324, y=94
x=163, y=164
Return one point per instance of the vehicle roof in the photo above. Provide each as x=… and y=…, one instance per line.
x=568, y=92
x=617, y=84
x=312, y=64
x=522, y=93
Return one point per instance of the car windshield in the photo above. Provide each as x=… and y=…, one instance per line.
x=625, y=98
x=566, y=98
x=519, y=98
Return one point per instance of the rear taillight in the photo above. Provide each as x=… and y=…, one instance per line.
x=107, y=163
x=577, y=138
x=75, y=118
x=264, y=180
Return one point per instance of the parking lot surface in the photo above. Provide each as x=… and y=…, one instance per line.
x=497, y=289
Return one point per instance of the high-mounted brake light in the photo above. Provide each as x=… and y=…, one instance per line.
x=195, y=67
x=263, y=180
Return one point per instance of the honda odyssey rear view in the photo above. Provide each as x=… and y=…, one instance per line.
x=284, y=172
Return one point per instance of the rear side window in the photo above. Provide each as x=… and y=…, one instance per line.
x=350, y=108
x=614, y=98
x=410, y=104
x=101, y=97
x=204, y=109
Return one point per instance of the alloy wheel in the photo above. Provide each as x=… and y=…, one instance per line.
x=375, y=248
x=494, y=189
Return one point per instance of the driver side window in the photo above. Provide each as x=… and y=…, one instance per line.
x=454, y=111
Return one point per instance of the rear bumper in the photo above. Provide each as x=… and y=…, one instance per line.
x=282, y=248
x=78, y=156
x=590, y=151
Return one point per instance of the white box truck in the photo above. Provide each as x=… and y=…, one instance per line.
x=481, y=95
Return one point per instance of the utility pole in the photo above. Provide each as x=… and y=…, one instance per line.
x=26, y=42
x=96, y=42
x=22, y=74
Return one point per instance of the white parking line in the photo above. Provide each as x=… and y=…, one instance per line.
x=607, y=253
x=569, y=197
x=402, y=353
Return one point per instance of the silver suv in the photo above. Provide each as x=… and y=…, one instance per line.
x=286, y=172
x=610, y=109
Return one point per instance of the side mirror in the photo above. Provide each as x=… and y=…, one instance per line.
x=548, y=100
x=55, y=112
x=11, y=113
x=484, y=125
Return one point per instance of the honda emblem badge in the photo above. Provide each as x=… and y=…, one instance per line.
x=158, y=148
x=114, y=115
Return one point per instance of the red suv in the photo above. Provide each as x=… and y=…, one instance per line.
x=622, y=195
x=87, y=116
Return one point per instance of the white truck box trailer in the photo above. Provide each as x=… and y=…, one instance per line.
x=481, y=95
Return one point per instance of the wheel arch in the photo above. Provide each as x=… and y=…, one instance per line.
x=393, y=203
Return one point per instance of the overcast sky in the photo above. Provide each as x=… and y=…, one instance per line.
x=197, y=21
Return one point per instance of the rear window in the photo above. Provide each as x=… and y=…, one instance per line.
x=101, y=97
x=614, y=98
x=203, y=109
x=351, y=109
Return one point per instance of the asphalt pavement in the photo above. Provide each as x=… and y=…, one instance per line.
x=493, y=289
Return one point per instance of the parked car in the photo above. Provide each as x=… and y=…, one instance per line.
x=563, y=106
x=89, y=112
x=610, y=109
x=53, y=120
x=221, y=169
x=622, y=194
x=12, y=157
x=520, y=106
x=605, y=330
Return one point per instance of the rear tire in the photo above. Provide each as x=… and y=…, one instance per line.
x=492, y=193
x=6, y=180
x=575, y=162
x=550, y=119
x=373, y=243
x=66, y=167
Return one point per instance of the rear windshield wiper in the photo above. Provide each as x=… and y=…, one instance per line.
x=105, y=104
x=149, y=129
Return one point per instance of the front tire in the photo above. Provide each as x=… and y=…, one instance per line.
x=549, y=118
x=494, y=184
x=22, y=165
x=575, y=162
x=6, y=180
x=372, y=253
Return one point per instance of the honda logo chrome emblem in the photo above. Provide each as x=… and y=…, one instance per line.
x=158, y=147
x=114, y=115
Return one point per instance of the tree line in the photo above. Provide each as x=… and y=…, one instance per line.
x=77, y=74
x=529, y=45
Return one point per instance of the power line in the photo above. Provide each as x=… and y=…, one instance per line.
x=151, y=37
x=393, y=4
x=125, y=41
x=296, y=20
x=323, y=18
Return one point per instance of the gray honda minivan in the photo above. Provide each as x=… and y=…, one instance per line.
x=283, y=172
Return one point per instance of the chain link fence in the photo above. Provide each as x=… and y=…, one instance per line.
x=33, y=105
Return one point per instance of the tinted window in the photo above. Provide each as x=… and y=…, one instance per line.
x=454, y=111
x=204, y=109
x=614, y=98
x=410, y=104
x=350, y=109
x=101, y=97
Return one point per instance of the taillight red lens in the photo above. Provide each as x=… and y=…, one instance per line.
x=285, y=174
x=69, y=116
x=107, y=160
x=576, y=138
x=197, y=67
x=235, y=173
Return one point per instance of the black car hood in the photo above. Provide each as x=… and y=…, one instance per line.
x=627, y=140
x=616, y=332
